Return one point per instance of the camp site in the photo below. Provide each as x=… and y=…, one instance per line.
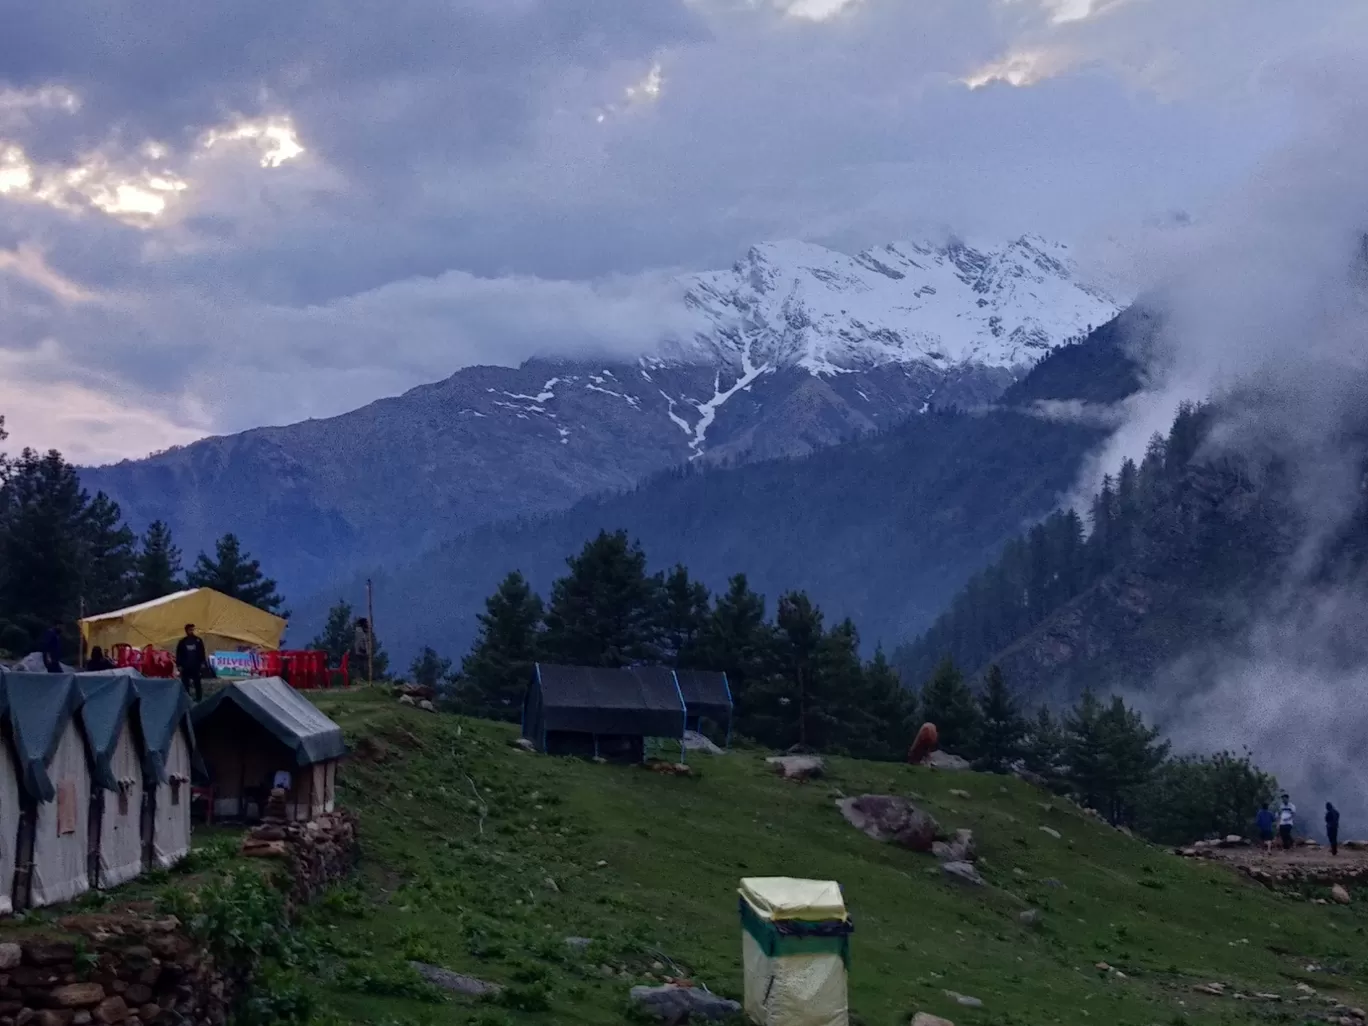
x=594, y=843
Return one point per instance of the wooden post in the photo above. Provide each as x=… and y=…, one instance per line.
x=370, y=631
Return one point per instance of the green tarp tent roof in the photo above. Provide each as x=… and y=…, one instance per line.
x=38, y=706
x=284, y=712
x=162, y=706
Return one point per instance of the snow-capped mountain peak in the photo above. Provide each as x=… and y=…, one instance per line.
x=795, y=303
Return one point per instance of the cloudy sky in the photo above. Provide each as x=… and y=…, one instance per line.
x=220, y=214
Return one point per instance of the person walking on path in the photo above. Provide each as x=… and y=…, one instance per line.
x=191, y=660
x=1287, y=816
x=1332, y=827
x=1264, y=822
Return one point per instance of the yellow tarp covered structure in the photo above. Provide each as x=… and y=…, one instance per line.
x=224, y=623
x=795, y=952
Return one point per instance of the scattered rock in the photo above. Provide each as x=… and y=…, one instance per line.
x=406, y=700
x=963, y=872
x=1305, y=988
x=454, y=982
x=1051, y=831
x=797, y=767
x=964, y=999
x=959, y=849
x=578, y=943
x=1103, y=966
x=675, y=1004
x=927, y=1019
x=1052, y=882
x=525, y=744
x=427, y=706
x=10, y=955
x=1030, y=918
x=696, y=742
x=1340, y=894
x=945, y=761
x=551, y=885
x=890, y=818
x=1215, y=989
x=960, y=794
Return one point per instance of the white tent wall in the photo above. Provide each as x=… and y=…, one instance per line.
x=9, y=830
x=121, y=848
x=331, y=802
x=61, y=837
x=171, y=824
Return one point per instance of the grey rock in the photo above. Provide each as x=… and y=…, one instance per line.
x=427, y=706
x=1030, y=918
x=964, y=872
x=945, y=761
x=578, y=943
x=1051, y=831
x=797, y=767
x=406, y=700
x=454, y=982
x=696, y=742
x=525, y=744
x=891, y=818
x=10, y=955
x=964, y=1000
x=927, y=1019
x=680, y=1004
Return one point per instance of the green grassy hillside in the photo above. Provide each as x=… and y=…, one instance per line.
x=484, y=859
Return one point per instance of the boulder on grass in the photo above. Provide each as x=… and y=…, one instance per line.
x=946, y=761
x=797, y=767
x=962, y=872
x=960, y=849
x=891, y=818
x=683, y=1004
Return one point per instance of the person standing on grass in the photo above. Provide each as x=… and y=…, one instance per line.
x=1332, y=827
x=1264, y=822
x=52, y=649
x=191, y=660
x=1287, y=816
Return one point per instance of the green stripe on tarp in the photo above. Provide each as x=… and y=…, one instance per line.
x=776, y=944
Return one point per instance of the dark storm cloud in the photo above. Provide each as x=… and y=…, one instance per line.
x=368, y=80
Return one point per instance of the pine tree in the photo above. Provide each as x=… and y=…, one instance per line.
x=800, y=637
x=108, y=557
x=157, y=565
x=1110, y=754
x=947, y=702
x=234, y=573
x=685, y=606
x=495, y=675
x=42, y=542
x=606, y=610
x=429, y=669
x=1002, y=729
x=1042, y=749
x=891, y=708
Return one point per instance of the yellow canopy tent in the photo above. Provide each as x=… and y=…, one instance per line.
x=224, y=623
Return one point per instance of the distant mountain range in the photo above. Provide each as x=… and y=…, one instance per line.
x=797, y=348
x=884, y=528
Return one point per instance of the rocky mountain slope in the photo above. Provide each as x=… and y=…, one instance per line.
x=883, y=528
x=796, y=347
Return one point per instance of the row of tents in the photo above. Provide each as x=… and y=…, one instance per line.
x=584, y=710
x=95, y=782
x=98, y=772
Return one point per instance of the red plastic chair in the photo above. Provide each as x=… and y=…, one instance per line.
x=126, y=656
x=342, y=671
x=271, y=663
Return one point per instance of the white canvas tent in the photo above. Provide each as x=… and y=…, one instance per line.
x=108, y=715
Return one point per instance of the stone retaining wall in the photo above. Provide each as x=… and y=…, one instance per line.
x=138, y=969
x=318, y=853
x=129, y=969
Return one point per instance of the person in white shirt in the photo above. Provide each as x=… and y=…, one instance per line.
x=1287, y=816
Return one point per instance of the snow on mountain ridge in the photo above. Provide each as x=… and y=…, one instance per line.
x=793, y=303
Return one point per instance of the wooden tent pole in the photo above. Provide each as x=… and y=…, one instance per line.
x=370, y=631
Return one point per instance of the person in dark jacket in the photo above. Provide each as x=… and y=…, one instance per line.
x=191, y=660
x=98, y=661
x=1264, y=822
x=52, y=648
x=1332, y=827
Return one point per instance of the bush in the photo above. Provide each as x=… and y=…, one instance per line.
x=1192, y=797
